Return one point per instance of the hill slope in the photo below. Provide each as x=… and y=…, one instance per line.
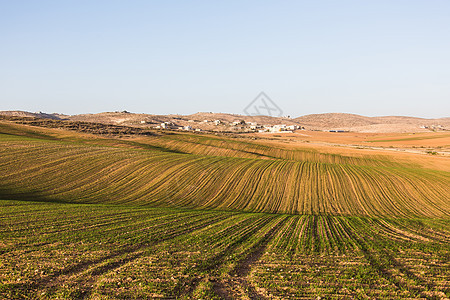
x=327, y=121
x=352, y=122
x=211, y=172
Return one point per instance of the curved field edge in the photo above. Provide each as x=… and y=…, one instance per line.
x=310, y=184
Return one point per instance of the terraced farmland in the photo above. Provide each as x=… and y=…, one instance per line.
x=209, y=217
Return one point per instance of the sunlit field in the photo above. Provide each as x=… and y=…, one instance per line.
x=179, y=215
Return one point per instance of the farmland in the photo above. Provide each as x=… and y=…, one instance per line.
x=229, y=174
x=210, y=217
x=52, y=250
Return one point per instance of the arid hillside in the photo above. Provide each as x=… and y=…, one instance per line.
x=205, y=121
x=357, y=123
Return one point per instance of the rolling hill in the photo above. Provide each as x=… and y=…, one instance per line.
x=327, y=121
x=204, y=171
x=357, y=123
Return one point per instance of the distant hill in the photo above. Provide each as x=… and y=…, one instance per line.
x=120, y=118
x=41, y=115
x=333, y=120
x=326, y=121
x=352, y=122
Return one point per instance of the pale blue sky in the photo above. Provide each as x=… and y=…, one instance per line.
x=383, y=57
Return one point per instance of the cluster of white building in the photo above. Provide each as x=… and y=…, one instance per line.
x=170, y=125
x=216, y=122
x=166, y=125
x=279, y=128
x=236, y=125
x=433, y=127
x=267, y=128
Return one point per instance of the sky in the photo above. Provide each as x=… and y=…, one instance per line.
x=374, y=58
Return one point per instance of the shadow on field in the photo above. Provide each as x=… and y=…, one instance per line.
x=7, y=193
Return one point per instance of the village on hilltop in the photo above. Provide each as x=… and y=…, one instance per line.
x=236, y=126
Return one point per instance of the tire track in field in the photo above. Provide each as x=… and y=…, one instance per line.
x=114, y=260
x=135, y=254
x=382, y=260
x=216, y=261
x=243, y=268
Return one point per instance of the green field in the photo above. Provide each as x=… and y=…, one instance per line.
x=209, y=217
x=96, y=251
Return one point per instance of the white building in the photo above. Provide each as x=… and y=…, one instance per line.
x=293, y=127
x=278, y=128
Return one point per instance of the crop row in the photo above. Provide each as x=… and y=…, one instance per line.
x=232, y=147
x=51, y=250
x=97, y=174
